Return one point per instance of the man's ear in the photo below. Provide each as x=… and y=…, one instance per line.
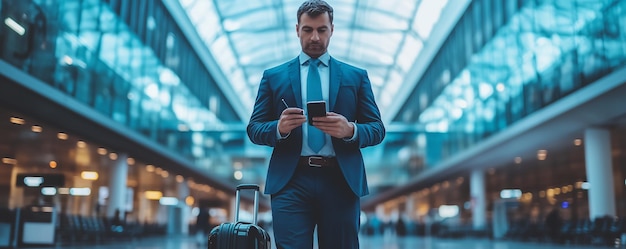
x=297, y=30
x=332, y=28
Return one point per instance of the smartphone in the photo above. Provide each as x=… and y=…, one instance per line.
x=315, y=109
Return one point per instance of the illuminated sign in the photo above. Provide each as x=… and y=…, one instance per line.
x=40, y=180
x=168, y=201
x=33, y=181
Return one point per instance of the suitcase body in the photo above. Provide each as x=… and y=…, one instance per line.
x=238, y=234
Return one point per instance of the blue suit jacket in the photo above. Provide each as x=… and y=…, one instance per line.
x=350, y=94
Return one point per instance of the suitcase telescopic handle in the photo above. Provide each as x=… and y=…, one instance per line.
x=248, y=186
x=256, y=189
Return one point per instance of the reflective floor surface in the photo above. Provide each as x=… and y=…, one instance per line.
x=377, y=242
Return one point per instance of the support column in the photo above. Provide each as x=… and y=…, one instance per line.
x=117, y=186
x=599, y=165
x=479, y=200
x=183, y=192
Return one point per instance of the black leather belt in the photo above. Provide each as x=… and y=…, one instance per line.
x=317, y=161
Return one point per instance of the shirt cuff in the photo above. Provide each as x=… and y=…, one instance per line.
x=354, y=136
x=278, y=136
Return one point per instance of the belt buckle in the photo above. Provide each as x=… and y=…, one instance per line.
x=314, y=164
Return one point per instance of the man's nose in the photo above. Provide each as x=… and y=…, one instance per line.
x=316, y=36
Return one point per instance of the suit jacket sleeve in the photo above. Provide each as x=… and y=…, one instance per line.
x=263, y=122
x=370, y=128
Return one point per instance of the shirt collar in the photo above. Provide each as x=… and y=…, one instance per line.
x=324, y=58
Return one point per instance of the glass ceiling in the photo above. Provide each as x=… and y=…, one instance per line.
x=522, y=50
x=246, y=37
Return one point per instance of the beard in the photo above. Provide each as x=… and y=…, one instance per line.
x=315, y=49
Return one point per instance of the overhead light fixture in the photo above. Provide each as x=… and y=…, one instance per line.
x=113, y=156
x=36, y=128
x=153, y=195
x=7, y=160
x=102, y=151
x=53, y=164
x=238, y=175
x=542, y=154
x=89, y=175
x=17, y=121
x=518, y=160
x=15, y=26
x=500, y=87
x=190, y=200
x=150, y=168
x=62, y=136
x=180, y=179
x=130, y=161
x=81, y=144
x=578, y=142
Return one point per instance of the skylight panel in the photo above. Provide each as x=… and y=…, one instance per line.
x=428, y=13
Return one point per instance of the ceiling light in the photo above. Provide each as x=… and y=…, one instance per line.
x=180, y=178
x=578, y=142
x=102, y=151
x=190, y=200
x=113, y=156
x=153, y=195
x=500, y=87
x=165, y=174
x=62, y=136
x=238, y=175
x=17, y=121
x=130, y=161
x=9, y=160
x=89, y=175
x=150, y=168
x=542, y=154
x=81, y=144
x=36, y=128
x=53, y=164
x=518, y=160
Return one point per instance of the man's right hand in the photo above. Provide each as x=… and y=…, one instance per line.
x=290, y=118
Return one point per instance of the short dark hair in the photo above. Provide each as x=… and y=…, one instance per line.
x=315, y=8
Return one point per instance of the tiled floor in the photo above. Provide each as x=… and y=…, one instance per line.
x=377, y=242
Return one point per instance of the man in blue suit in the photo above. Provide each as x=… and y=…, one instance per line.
x=316, y=174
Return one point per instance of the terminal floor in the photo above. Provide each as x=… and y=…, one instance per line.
x=374, y=242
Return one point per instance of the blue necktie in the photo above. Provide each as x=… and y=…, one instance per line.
x=314, y=92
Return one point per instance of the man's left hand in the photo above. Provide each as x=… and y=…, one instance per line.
x=334, y=125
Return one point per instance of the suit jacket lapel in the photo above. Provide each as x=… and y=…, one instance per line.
x=294, y=78
x=335, y=82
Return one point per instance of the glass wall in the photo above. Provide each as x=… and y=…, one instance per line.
x=507, y=59
x=128, y=61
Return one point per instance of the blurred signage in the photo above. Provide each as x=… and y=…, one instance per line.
x=40, y=180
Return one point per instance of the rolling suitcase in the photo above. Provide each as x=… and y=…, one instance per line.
x=238, y=234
